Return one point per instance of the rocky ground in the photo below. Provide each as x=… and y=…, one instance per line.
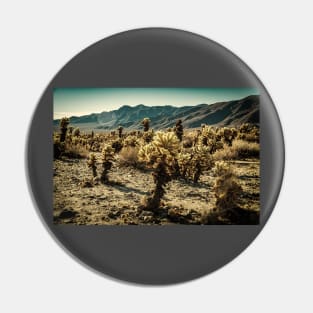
x=76, y=201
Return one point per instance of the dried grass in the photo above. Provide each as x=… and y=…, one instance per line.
x=128, y=156
x=240, y=149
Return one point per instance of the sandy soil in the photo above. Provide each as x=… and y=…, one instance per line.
x=118, y=203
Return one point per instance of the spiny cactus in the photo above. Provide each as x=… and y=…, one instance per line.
x=245, y=128
x=107, y=158
x=58, y=149
x=184, y=161
x=92, y=163
x=179, y=130
x=63, y=127
x=76, y=132
x=249, y=132
x=228, y=135
x=201, y=161
x=226, y=188
x=194, y=163
x=131, y=141
x=120, y=131
x=148, y=136
x=117, y=145
x=146, y=124
x=210, y=137
x=160, y=154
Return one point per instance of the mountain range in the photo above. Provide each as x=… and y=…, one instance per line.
x=230, y=113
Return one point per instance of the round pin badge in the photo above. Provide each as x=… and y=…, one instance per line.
x=155, y=156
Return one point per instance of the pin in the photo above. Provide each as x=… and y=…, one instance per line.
x=155, y=156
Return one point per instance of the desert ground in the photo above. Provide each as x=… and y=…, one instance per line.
x=118, y=202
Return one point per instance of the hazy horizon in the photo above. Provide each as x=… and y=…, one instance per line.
x=83, y=101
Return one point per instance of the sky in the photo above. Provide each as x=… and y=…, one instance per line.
x=82, y=101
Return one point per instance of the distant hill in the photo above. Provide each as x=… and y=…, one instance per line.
x=230, y=113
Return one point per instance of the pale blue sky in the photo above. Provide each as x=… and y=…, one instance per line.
x=83, y=101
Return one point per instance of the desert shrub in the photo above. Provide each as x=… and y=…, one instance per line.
x=240, y=149
x=160, y=155
x=227, y=153
x=251, y=137
x=128, y=156
x=92, y=163
x=75, y=151
x=246, y=149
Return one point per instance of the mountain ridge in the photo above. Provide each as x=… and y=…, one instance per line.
x=227, y=113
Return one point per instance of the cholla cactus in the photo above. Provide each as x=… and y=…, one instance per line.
x=194, y=162
x=148, y=136
x=76, y=132
x=200, y=161
x=249, y=132
x=63, y=127
x=226, y=188
x=146, y=124
x=228, y=135
x=160, y=154
x=92, y=163
x=245, y=128
x=58, y=147
x=211, y=137
x=120, y=131
x=214, y=144
x=117, y=145
x=184, y=161
x=131, y=141
x=179, y=130
x=107, y=158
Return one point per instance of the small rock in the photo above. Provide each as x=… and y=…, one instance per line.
x=67, y=213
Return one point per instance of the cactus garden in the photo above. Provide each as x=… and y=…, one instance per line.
x=142, y=173
x=123, y=179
